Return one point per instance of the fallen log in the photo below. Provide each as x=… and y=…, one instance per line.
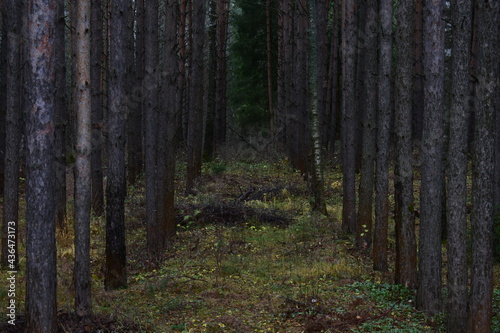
x=231, y=214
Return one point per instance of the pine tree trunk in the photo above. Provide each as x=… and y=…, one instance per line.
x=281, y=83
x=348, y=116
x=13, y=106
x=457, y=170
x=221, y=79
x=211, y=69
x=380, y=230
x=333, y=82
x=180, y=118
x=97, y=92
x=324, y=116
x=83, y=150
x=317, y=183
x=61, y=119
x=429, y=296
x=41, y=278
x=3, y=87
x=135, y=72
x=418, y=77
x=196, y=107
x=287, y=66
x=406, y=246
x=166, y=134
x=115, y=273
x=480, y=302
x=365, y=221
x=150, y=88
x=269, y=69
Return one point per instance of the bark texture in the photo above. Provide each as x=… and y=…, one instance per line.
x=116, y=274
x=97, y=89
x=384, y=106
x=348, y=116
x=364, y=228
x=13, y=109
x=196, y=107
x=429, y=298
x=480, y=302
x=406, y=245
x=150, y=88
x=457, y=170
x=41, y=279
x=83, y=148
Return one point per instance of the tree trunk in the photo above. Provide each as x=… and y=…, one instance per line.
x=180, y=117
x=418, y=75
x=83, y=302
x=3, y=96
x=480, y=302
x=97, y=92
x=196, y=107
x=211, y=69
x=365, y=211
x=380, y=231
x=116, y=274
x=348, y=116
x=457, y=170
x=317, y=183
x=135, y=64
x=431, y=193
x=333, y=81
x=41, y=277
x=150, y=88
x=61, y=119
x=12, y=10
x=269, y=69
x=166, y=133
x=286, y=73
x=221, y=79
x=281, y=83
x=324, y=117
x=406, y=246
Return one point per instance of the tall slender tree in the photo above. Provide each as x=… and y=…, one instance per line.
x=196, y=107
x=364, y=228
x=3, y=86
x=315, y=82
x=61, y=120
x=150, y=89
x=333, y=80
x=116, y=272
x=12, y=26
x=429, y=292
x=380, y=230
x=406, y=244
x=480, y=302
x=41, y=279
x=83, y=150
x=166, y=130
x=269, y=68
x=418, y=77
x=135, y=49
x=97, y=92
x=457, y=169
x=348, y=116
x=324, y=116
x=221, y=76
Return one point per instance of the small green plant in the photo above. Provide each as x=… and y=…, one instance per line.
x=496, y=234
x=178, y=327
x=216, y=166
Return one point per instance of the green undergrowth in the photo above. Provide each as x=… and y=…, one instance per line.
x=248, y=276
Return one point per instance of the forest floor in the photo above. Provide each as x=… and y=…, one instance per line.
x=248, y=256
